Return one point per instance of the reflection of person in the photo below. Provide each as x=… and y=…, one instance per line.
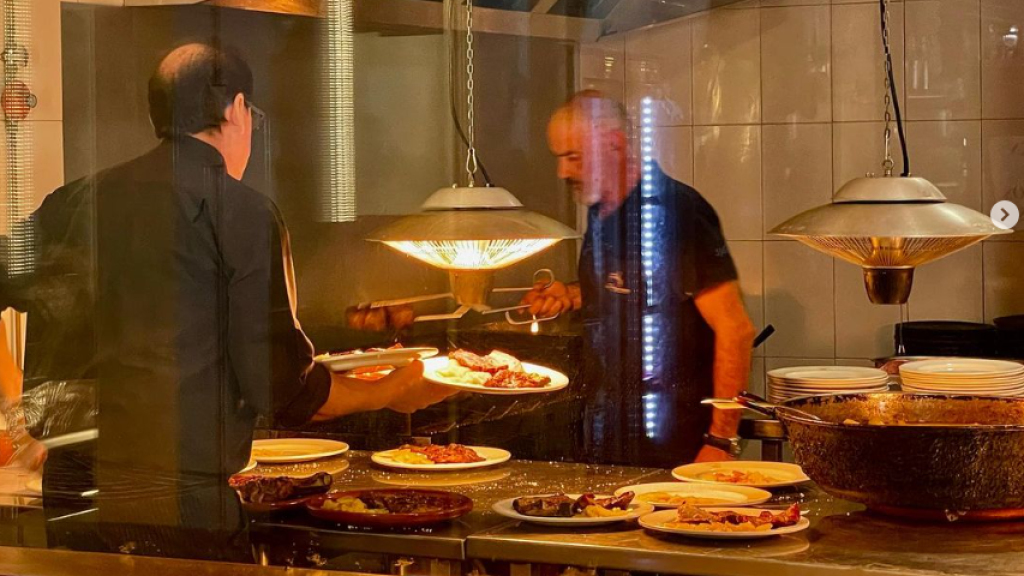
x=664, y=319
x=190, y=279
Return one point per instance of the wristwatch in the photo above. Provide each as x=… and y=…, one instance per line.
x=730, y=446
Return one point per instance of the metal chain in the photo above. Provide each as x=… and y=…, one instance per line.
x=471, y=163
x=887, y=164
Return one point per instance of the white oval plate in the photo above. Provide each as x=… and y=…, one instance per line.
x=283, y=450
x=636, y=510
x=658, y=520
x=787, y=474
x=733, y=495
x=963, y=368
x=491, y=456
x=432, y=365
x=390, y=357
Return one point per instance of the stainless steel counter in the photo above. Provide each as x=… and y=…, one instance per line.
x=843, y=539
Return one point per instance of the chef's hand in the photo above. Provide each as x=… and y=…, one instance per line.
x=712, y=454
x=380, y=319
x=409, y=392
x=554, y=299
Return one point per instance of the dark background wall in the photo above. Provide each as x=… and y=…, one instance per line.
x=110, y=53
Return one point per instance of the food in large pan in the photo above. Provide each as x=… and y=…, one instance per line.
x=390, y=507
x=911, y=454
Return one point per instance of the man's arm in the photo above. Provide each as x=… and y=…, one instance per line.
x=723, y=310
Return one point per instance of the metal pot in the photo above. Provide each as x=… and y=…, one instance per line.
x=909, y=453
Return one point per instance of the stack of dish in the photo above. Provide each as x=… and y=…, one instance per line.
x=964, y=376
x=786, y=383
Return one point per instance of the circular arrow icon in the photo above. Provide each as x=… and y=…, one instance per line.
x=1005, y=214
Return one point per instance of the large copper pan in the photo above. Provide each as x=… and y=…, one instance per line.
x=901, y=453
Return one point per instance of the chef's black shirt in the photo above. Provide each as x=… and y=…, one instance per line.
x=649, y=352
x=169, y=284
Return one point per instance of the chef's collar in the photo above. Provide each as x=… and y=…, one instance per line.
x=189, y=148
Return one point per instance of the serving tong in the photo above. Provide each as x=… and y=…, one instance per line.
x=545, y=275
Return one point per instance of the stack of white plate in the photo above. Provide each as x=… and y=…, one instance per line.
x=964, y=376
x=786, y=383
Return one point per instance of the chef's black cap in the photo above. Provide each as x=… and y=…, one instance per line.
x=193, y=85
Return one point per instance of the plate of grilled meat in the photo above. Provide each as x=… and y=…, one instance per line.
x=495, y=373
x=726, y=523
x=573, y=509
x=436, y=457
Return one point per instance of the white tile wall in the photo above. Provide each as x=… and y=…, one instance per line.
x=727, y=171
x=1002, y=59
x=787, y=106
x=796, y=64
x=727, y=67
x=658, y=66
x=1003, y=167
x=949, y=155
x=673, y=150
x=797, y=170
x=1004, y=277
x=799, y=301
x=943, y=59
x=858, y=79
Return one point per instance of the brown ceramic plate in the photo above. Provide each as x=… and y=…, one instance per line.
x=265, y=507
x=445, y=506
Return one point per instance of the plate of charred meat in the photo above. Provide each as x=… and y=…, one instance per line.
x=389, y=508
x=495, y=373
x=435, y=457
x=573, y=509
x=260, y=493
x=726, y=523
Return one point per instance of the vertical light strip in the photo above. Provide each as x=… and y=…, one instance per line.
x=338, y=199
x=17, y=63
x=649, y=331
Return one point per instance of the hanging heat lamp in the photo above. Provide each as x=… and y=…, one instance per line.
x=472, y=230
x=888, y=225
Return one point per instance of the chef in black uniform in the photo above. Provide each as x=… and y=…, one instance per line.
x=664, y=320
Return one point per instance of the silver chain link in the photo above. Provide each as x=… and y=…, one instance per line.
x=471, y=163
x=888, y=164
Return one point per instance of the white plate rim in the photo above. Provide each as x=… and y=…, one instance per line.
x=389, y=357
x=996, y=367
x=500, y=456
x=558, y=380
x=504, y=508
x=649, y=522
x=339, y=448
x=762, y=495
x=679, y=474
x=785, y=371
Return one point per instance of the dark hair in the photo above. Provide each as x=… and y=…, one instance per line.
x=192, y=86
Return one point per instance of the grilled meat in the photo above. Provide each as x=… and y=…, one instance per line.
x=450, y=454
x=694, y=515
x=477, y=363
x=265, y=490
x=612, y=503
x=555, y=506
x=510, y=379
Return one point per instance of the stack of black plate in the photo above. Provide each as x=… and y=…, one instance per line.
x=946, y=338
x=1010, y=337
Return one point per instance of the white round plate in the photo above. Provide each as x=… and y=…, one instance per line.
x=732, y=495
x=283, y=450
x=814, y=374
x=977, y=382
x=491, y=456
x=439, y=479
x=636, y=510
x=389, y=357
x=962, y=368
x=786, y=474
x=658, y=520
x=432, y=365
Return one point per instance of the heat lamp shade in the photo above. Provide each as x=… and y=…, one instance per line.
x=889, y=223
x=454, y=237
